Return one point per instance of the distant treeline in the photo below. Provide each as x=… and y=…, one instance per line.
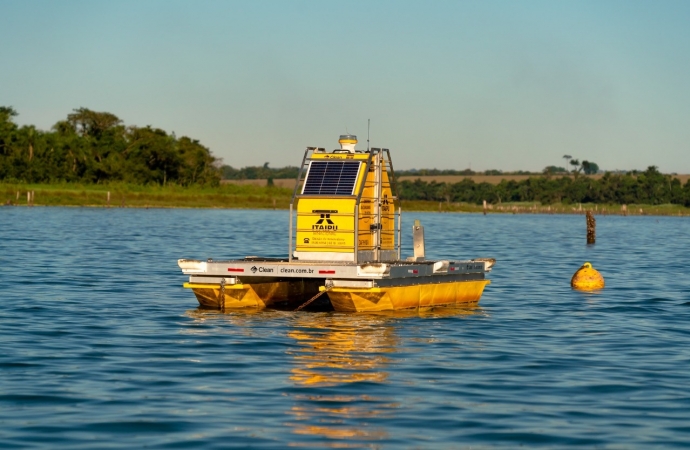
x=264, y=172
x=95, y=147
x=258, y=172
x=586, y=167
x=649, y=187
x=465, y=172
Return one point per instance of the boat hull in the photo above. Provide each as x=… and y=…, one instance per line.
x=268, y=294
x=393, y=298
x=293, y=293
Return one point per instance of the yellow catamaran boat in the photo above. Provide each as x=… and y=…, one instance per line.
x=344, y=248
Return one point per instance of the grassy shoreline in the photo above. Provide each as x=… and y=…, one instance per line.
x=137, y=196
x=261, y=197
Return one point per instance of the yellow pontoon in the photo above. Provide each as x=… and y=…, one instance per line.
x=344, y=248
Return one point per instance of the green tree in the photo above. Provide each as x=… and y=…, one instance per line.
x=550, y=170
x=7, y=136
x=199, y=166
x=91, y=123
x=589, y=168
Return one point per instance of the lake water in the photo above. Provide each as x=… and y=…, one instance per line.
x=101, y=347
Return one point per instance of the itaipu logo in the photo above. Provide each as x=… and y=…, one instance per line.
x=328, y=226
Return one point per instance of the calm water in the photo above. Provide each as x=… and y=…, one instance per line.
x=101, y=347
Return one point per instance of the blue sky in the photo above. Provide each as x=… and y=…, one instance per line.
x=446, y=84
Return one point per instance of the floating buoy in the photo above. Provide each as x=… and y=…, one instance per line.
x=587, y=278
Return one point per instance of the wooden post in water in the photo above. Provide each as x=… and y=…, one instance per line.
x=33, y=197
x=28, y=198
x=624, y=210
x=484, y=207
x=108, y=199
x=591, y=228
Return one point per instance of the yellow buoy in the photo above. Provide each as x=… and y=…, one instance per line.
x=587, y=278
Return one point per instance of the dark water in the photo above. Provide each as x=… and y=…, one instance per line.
x=101, y=347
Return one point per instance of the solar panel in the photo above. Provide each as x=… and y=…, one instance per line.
x=331, y=178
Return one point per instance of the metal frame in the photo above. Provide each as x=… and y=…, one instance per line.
x=357, y=202
x=378, y=181
x=294, y=194
x=396, y=199
x=247, y=269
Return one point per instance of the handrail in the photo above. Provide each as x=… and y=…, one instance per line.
x=292, y=201
x=357, y=201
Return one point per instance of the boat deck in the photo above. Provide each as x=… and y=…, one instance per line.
x=377, y=274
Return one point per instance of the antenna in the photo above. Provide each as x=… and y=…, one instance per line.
x=368, y=126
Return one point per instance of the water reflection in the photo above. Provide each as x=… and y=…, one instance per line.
x=243, y=322
x=341, y=366
x=336, y=349
x=238, y=316
x=338, y=417
x=591, y=298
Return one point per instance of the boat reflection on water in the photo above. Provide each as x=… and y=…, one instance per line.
x=345, y=349
x=242, y=322
x=334, y=349
x=340, y=378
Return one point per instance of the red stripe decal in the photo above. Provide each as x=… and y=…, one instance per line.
x=413, y=271
x=327, y=272
x=235, y=270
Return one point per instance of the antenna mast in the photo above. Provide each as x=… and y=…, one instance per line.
x=368, y=127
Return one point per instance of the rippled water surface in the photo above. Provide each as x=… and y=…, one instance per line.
x=100, y=346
